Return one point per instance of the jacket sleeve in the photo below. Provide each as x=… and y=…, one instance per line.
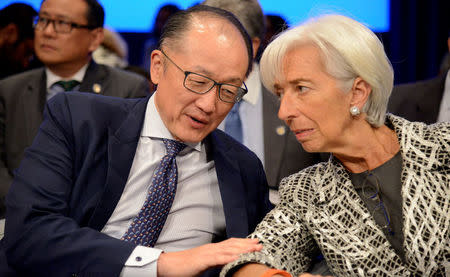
x=5, y=175
x=41, y=237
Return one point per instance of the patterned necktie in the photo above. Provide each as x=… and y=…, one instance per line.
x=147, y=225
x=233, y=124
x=67, y=85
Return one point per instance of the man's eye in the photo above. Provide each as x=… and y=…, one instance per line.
x=62, y=22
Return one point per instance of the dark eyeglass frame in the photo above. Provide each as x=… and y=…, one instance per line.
x=373, y=193
x=56, y=22
x=241, y=91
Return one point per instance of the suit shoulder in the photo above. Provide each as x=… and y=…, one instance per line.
x=418, y=87
x=91, y=103
x=21, y=80
x=123, y=75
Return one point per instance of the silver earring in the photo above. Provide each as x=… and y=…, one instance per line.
x=354, y=111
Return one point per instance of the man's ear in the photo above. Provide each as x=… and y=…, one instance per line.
x=97, y=38
x=9, y=34
x=156, y=66
x=361, y=91
x=256, y=42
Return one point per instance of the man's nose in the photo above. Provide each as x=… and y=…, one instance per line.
x=49, y=29
x=208, y=101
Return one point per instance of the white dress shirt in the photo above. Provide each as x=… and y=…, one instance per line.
x=444, y=110
x=196, y=216
x=251, y=114
x=53, y=78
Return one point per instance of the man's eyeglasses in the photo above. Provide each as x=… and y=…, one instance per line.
x=371, y=190
x=59, y=25
x=201, y=84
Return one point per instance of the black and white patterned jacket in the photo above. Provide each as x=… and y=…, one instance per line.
x=320, y=209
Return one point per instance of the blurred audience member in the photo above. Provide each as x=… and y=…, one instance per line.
x=254, y=121
x=113, y=51
x=144, y=73
x=66, y=33
x=275, y=24
x=426, y=101
x=152, y=43
x=16, y=38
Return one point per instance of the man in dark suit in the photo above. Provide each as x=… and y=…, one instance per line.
x=81, y=185
x=426, y=101
x=261, y=129
x=66, y=33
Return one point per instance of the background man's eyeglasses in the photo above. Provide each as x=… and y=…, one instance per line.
x=371, y=190
x=59, y=25
x=200, y=84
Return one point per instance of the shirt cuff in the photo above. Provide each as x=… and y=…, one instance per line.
x=142, y=262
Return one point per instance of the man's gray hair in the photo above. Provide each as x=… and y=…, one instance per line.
x=249, y=13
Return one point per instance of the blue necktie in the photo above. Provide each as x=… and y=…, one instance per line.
x=233, y=124
x=147, y=225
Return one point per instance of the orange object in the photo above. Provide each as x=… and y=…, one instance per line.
x=271, y=272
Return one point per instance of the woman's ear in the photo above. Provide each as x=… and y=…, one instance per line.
x=360, y=92
x=156, y=66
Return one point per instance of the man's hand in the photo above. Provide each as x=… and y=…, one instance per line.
x=194, y=261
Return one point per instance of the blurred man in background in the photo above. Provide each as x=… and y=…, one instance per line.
x=66, y=34
x=16, y=38
x=254, y=121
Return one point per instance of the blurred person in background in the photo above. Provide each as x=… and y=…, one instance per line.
x=253, y=121
x=66, y=34
x=152, y=43
x=275, y=24
x=426, y=101
x=16, y=38
x=113, y=50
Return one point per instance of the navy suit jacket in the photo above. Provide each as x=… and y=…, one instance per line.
x=418, y=101
x=73, y=175
x=22, y=100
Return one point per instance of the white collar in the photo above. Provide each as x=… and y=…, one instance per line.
x=53, y=78
x=253, y=83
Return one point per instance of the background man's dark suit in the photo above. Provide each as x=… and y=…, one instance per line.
x=283, y=154
x=22, y=100
x=73, y=176
x=418, y=101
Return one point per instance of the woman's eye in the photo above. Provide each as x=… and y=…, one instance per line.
x=302, y=89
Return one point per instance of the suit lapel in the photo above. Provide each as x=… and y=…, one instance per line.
x=33, y=103
x=94, y=79
x=122, y=145
x=230, y=185
x=274, y=136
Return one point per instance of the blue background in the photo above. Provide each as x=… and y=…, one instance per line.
x=138, y=15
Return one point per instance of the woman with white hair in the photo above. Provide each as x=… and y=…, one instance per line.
x=380, y=206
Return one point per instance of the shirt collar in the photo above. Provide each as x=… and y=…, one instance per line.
x=253, y=82
x=53, y=78
x=154, y=126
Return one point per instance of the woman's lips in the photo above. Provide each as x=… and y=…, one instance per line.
x=302, y=134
